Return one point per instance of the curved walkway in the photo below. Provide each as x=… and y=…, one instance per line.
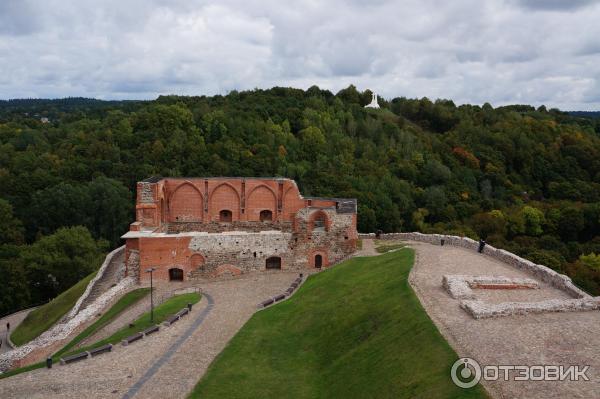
x=175, y=358
x=14, y=319
x=535, y=339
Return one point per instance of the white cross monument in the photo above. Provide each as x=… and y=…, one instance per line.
x=373, y=103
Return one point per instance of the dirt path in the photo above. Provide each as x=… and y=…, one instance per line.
x=178, y=353
x=543, y=339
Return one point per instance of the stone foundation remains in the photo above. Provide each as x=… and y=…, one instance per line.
x=484, y=310
x=459, y=287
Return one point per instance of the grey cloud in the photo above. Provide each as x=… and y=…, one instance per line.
x=471, y=51
x=555, y=5
x=18, y=17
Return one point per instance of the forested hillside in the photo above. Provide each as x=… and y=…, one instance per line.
x=526, y=180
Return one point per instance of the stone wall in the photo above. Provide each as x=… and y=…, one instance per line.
x=63, y=330
x=541, y=272
x=246, y=251
x=93, y=282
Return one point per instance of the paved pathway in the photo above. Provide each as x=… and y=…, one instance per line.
x=542, y=339
x=14, y=319
x=167, y=364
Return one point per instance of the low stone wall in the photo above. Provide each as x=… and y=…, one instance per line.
x=484, y=310
x=541, y=272
x=93, y=282
x=62, y=330
x=461, y=286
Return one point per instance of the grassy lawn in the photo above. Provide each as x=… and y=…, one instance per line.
x=354, y=331
x=161, y=313
x=44, y=317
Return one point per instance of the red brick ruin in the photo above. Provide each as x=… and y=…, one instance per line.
x=190, y=228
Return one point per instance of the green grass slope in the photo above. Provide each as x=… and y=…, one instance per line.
x=122, y=304
x=44, y=317
x=161, y=313
x=355, y=331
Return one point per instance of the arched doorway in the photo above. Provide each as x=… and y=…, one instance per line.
x=266, y=216
x=225, y=216
x=318, y=261
x=274, y=262
x=175, y=274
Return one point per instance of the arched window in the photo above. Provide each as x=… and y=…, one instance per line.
x=175, y=274
x=319, y=223
x=274, y=262
x=225, y=216
x=318, y=261
x=266, y=216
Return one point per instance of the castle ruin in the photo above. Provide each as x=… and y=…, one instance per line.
x=188, y=228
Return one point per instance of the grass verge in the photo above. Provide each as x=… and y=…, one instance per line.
x=161, y=312
x=44, y=317
x=126, y=301
x=354, y=331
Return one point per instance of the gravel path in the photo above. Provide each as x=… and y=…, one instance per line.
x=112, y=375
x=543, y=339
x=14, y=319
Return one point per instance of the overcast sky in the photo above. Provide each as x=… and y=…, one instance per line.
x=470, y=51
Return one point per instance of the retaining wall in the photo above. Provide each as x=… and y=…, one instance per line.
x=92, y=283
x=74, y=319
x=541, y=272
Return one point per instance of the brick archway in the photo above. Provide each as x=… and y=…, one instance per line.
x=259, y=199
x=224, y=197
x=186, y=204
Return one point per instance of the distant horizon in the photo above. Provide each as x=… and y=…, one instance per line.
x=250, y=90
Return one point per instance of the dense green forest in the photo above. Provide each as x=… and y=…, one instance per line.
x=526, y=179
